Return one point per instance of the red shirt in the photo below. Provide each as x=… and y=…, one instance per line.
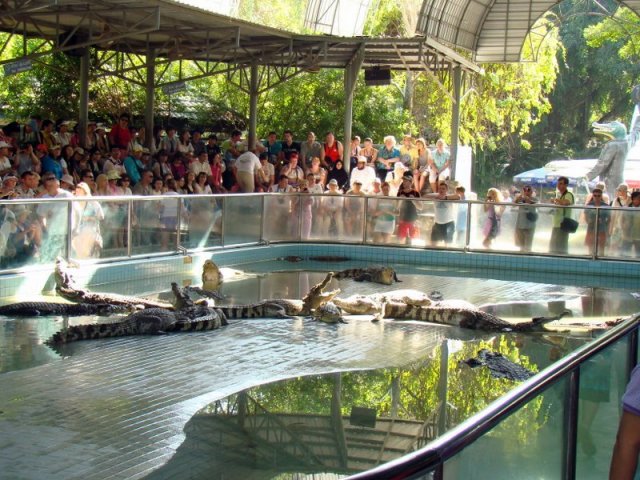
x=120, y=136
x=332, y=153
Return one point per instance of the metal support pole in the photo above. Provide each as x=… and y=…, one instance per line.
x=443, y=391
x=632, y=358
x=571, y=425
x=595, y=255
x=253, y=107
x=129, y=226
x=83, y=113
x=150, y=97
x=455, y=118
x=350, y=79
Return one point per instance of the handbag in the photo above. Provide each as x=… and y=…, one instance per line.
x=532, y=216
x=569, y=225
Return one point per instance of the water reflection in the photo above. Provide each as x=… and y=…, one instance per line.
x=342, y=423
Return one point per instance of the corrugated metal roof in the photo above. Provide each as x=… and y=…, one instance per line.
x=493, y=30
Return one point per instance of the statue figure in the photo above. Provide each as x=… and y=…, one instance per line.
x=610, y=165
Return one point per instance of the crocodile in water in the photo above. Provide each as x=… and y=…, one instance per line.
x=34, y=309
x=499, y=366
x=383, y=275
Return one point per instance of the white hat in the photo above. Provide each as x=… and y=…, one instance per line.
x=4, y=144
x=333, y=181
x=67, y=179
x=84, y=187
x=10, y=176
x=377, y=180
x=362, y=158
x=399, y=166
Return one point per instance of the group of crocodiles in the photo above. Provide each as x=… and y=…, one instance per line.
x=185, y=315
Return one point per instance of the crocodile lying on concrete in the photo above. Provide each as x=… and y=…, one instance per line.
x=383, y=275
x=372, y=304
x=35, y=309
x=68, y=289
x=463, y=314
x=150, y=321
x=499, y=366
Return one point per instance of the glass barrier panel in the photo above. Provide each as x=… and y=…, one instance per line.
x=603, y=380
x=623, y=240
x=316, y=219
x=154, y=225
x=32, y=233
x=527, y=444
x=281, y=218
x=99, y=229
x=242, y=219
x=201, y=227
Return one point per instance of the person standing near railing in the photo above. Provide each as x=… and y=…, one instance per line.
x=559, y=238
x=624, y=461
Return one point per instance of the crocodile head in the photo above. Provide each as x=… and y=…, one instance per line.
x=612, y=130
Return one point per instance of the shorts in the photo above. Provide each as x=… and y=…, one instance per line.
x=407, y=229
x=442, y=232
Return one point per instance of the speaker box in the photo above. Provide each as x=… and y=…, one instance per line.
x=377, y=76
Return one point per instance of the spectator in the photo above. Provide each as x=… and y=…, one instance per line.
x=217, y=169
x=363, y=173
x=103, y=143
x=408, y=153
x=162, y=166
x=408, y=210
x=170, y=143
x=68, y=183
x=630, y=226
x=597, y=222
x=423, y=164
x=273, y=148
x=201, y=186
x=319, y=173
x=53, y=219
x=354, y=151
x=384, y=213
x=265, y=174
x=387, y=156
x=559, y=242
x=370, y=153
x=201, y=164
x=332, y=151
x=338, y=174
x=28, y=185
x=376, y=188
x=444, y=224
x=461, y=218
x=26, y=159
x=178, y=168
x=8, y=191
x=184, y=143
x=50, y=164
x=114, y=162
x=395, y=177
x=441, y=162
x=313, y=185
x=120, y=136
x=247, y=166
x=63, y=136
x=198, y=144
x=48, y=135
x=332, y=206
x=624, y=460
x=288, y=147
x=133, y=164
x=293, y=172
x=5, y=162
x=212, y=147
x=491, y=226
x=26, y=240
x=85, y=229
x=526, y=219
x=309, y=150
x=354, y=209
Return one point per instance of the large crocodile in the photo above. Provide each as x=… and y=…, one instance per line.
x=499, y=366
x=372, y=304
x=67, y=288
x=151, y=321
x=34, y=309
x=463, y=314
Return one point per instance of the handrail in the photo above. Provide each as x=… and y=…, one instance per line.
x=455, y=440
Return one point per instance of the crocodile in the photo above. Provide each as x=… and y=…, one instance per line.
x=35, y=309
x=68, y=289
x=316, y=297
x=264, y=309
x=328, y=313
x=383, y=275
x=499, y=366
x=463, y=314
x=150, y=321
x=206, y=293
x=372, y=304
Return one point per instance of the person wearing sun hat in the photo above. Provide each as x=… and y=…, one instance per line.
x=50, y=163
x=67, y=183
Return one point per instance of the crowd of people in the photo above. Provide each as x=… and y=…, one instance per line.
x=46, y=159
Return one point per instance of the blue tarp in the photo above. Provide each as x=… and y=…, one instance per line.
x=543, y=177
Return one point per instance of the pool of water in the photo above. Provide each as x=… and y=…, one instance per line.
x=272, y=398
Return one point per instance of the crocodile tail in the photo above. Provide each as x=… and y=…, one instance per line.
x=91, y=332
x=208, y=322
